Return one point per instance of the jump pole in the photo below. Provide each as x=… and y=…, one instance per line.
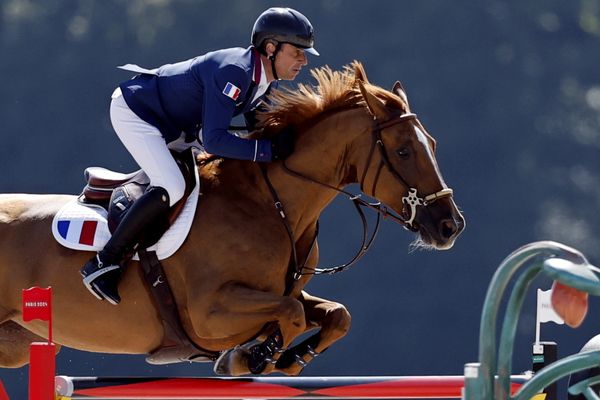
x=348, y=387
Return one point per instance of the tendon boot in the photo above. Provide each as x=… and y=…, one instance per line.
x=101, y=274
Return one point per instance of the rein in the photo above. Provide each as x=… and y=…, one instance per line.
x=357, y=201
x=412, y=200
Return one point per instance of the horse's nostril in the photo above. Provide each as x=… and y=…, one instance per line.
x=447, y=228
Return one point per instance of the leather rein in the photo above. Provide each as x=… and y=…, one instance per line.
x=412, y=200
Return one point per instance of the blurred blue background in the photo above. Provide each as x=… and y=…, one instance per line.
x=510, y=90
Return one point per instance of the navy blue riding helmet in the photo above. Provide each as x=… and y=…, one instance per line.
x=283, y=25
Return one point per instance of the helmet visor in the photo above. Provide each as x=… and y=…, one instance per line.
x=312, y=51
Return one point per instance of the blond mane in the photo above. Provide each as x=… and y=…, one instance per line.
x=334, y=90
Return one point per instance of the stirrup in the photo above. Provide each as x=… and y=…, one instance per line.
x=113, y=298
x=88, y=280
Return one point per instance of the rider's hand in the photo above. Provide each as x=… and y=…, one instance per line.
x=282, y=145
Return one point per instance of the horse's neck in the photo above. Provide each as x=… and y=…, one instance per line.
x=323, y=153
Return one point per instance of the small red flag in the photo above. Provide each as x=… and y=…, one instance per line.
x=37, y=304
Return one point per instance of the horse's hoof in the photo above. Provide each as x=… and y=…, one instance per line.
x=233, y=362
x=221, y=365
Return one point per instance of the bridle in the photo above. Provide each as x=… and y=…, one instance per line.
x=412, y=200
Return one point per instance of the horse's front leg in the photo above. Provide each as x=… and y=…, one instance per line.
x=240, y=307
x=334, y=321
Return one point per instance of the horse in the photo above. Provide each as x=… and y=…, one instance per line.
x=236, y=279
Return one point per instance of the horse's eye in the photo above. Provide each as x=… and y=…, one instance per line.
x=403, y=153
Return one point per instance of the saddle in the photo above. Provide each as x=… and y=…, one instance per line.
x=116, y=192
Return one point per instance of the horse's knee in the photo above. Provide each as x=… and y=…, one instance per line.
x=339, y=320
x=292, y=310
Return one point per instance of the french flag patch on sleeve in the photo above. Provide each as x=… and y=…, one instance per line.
x=231, y=91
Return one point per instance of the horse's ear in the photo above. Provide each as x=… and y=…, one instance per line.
x=399, y=91
x=359, y=71
x=398, y=88
x=376, y=106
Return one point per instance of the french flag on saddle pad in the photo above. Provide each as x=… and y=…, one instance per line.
x=78, y=231
x=231, y=91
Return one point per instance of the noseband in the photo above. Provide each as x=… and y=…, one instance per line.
x=412, y=199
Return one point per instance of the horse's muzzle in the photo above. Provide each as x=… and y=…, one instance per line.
x=449, y=229
x=440, y=232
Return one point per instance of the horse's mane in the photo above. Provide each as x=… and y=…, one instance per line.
x=334, y=90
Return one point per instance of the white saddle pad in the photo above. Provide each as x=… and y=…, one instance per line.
x=81, y=226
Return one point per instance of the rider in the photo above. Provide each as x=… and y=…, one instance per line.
x=196, y=100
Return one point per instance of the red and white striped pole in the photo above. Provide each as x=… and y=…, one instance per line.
x=264, y=388
x=37, y=304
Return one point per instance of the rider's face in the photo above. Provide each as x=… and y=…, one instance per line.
x=289, y=61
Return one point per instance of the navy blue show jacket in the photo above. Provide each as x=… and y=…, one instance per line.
x=204, y=92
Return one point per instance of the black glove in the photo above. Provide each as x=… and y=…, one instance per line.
x=282, y=145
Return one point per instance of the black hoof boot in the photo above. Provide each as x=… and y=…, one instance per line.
x=102, y=280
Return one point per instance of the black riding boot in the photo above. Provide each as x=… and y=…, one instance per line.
x=102, y=273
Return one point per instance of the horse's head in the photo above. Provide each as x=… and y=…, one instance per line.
x=401, y=171
x=395, y=163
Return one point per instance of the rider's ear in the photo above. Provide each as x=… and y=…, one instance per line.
x=270, y=48
x=375, y=105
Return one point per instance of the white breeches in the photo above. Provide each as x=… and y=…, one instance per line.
x=148, y=148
